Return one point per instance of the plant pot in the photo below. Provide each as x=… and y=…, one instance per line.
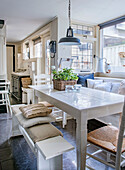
x=61, y=84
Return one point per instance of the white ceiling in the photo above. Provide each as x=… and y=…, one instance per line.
x=23, y=17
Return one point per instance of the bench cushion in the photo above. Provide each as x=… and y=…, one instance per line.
x=34, y=121
x=35, y=110
x=41, y=132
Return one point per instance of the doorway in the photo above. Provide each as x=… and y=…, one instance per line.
x=10, y=53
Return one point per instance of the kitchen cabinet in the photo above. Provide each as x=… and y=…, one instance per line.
x=17, y=84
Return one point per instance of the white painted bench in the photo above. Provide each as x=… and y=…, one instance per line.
x=48, y=152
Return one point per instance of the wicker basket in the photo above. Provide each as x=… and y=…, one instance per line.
x=26, y=81
x=60, y=84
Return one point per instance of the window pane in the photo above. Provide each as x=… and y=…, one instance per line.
x=38, y=50
x=82, y=57
x=82, y=29
x=114, y=46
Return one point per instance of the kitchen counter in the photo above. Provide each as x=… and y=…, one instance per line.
x=20, y=74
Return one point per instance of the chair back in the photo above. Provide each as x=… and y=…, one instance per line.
x=120, y=139
x=41, y=79
x=4, y=85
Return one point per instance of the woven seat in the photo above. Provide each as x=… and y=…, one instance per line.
x=106, y=137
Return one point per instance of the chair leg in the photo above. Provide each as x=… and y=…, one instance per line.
x=64, y=119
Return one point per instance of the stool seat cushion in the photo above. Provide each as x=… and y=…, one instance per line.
x=35, y=110
x=45, y=103
x=106, y=137
x=41, y=132
x=34, y=121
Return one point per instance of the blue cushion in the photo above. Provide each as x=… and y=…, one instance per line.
x=83, y=79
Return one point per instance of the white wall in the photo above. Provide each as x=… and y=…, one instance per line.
x=58, y=30
x=3, y=68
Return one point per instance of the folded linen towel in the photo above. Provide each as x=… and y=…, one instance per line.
x=35, y=110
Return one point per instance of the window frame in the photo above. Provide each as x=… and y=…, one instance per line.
x=114, y=68
x=88, y=39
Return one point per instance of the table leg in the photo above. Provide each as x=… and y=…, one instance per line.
x=81, y=141
x=35, y=98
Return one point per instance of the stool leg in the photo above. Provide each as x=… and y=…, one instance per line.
x=3, y=98
x=64, y=119
x=9, y=105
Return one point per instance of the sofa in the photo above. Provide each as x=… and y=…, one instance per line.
x=112, y=85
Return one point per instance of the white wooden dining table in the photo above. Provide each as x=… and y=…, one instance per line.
x=83, y=105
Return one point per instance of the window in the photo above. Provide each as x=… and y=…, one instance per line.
x=27, y=53
x=83, y=55
x=82, y=29
x=37, y=47
x=114, y=46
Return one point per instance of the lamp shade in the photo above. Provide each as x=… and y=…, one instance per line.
x=69, y=39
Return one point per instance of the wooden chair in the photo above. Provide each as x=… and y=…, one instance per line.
x=4, y=93
x=42, y=79
x=111, y=140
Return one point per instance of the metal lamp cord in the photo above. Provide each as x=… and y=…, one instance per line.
x=69, y=14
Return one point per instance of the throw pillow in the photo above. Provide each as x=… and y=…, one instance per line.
x=122, y=88
x=91, y=83
x=35, y=110
x=115, y=87
x=103, y=86
x=83, y=79
x=34, y=121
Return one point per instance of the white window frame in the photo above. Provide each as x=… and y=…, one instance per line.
x=88, y=39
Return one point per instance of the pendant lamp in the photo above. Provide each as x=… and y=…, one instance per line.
x=69, y=39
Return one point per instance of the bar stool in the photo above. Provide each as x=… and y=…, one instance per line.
x=4, y=93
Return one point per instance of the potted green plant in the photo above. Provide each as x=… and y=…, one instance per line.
x=63, y=78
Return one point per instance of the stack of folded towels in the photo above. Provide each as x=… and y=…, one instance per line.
x=33, y=114
x=36, y=119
